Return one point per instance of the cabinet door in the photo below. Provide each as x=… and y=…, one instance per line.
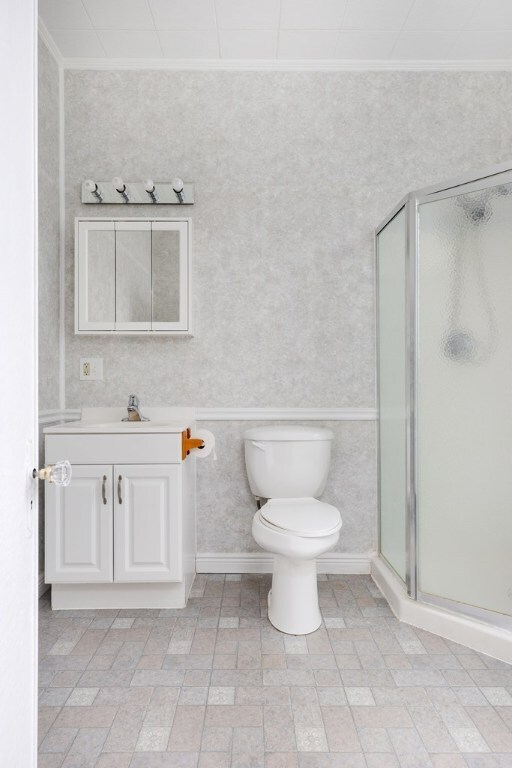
x=133, y=275
x=170, y=242
x=95, y=277
x=147, y=522
x=79, y=527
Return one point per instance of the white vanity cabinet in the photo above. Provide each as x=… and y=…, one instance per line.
x=115, y=523
x=122, y=534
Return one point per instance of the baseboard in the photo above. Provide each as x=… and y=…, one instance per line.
x=262, y=562
x=484, y=638
x=42, y=587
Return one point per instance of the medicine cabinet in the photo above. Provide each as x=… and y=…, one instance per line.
x=132, y=276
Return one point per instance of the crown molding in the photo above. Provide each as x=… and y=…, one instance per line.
x=285, y=65
x=50, y=43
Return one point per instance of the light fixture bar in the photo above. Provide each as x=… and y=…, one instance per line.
x=137, y=192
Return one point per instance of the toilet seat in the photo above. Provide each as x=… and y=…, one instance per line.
x=305, y=517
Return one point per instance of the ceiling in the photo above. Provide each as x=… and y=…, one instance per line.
x=280, y=30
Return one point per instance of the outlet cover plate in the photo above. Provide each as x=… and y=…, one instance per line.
x=91, y=369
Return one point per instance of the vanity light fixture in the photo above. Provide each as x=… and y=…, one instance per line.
x=149, y=186
x=92, y=187
x=119, y=192
x=120, y=187
x=178, y=186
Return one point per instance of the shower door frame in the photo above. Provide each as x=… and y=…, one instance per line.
x=471, y=182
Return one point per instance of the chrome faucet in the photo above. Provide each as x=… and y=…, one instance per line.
x=134, y=413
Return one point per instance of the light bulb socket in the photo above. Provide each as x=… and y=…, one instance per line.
x=120, y=187
x=178, y=187
x=93, y=189
x=150, y=188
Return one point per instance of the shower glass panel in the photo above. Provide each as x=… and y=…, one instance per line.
x=391, y=257
x=464, y=397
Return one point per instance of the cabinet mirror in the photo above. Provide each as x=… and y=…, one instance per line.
x=132, y=276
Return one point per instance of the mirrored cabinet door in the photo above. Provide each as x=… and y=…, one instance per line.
x=132, y=276
x=97, y=276
x=170, y=274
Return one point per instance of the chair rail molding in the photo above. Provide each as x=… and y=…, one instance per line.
x=244, y=414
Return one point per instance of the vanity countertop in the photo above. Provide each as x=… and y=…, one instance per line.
x=110, y=421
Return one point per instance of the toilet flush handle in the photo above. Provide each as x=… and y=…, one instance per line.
x=256, y=444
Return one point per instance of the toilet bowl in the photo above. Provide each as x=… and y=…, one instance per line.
x=289, y=466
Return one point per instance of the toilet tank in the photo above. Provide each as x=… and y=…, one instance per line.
x=287, y=462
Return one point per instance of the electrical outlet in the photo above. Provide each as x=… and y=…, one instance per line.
x=91, y=369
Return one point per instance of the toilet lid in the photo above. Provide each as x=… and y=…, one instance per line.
x=304, y=517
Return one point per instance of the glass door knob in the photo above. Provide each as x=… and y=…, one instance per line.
x=58, y=473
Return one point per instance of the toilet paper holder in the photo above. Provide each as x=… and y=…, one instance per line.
x=188, y=443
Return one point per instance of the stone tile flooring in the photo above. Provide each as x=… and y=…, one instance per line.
x=216, y=686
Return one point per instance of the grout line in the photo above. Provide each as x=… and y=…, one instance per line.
x=157, y=31
x=279, y=18
x=217, y=30
x=341, y=29
x=93, y=28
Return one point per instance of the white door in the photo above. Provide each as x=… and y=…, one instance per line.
x=79, y=527
x=18, y=345
x=147, y=522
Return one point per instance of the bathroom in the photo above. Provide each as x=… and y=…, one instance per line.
x=295, y=161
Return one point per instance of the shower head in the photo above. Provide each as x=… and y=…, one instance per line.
x=503, y=190
x=460, y=345
x=476, y=207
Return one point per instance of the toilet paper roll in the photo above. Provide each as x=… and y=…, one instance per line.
x=209, y=444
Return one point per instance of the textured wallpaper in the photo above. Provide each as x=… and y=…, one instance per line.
x=293, y=171
x=226, y=505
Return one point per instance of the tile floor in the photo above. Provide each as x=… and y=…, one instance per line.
x=215, y=686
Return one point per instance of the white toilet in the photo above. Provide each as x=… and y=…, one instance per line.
x=288, y=465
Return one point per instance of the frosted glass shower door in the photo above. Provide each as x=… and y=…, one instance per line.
x=391, y=291
x=464, y=407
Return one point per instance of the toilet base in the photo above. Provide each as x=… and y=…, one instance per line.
x=293, y=598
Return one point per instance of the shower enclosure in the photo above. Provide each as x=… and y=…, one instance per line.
x=444, y=316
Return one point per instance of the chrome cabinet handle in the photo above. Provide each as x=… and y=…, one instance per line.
x=119, y=481
x=104, y=489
